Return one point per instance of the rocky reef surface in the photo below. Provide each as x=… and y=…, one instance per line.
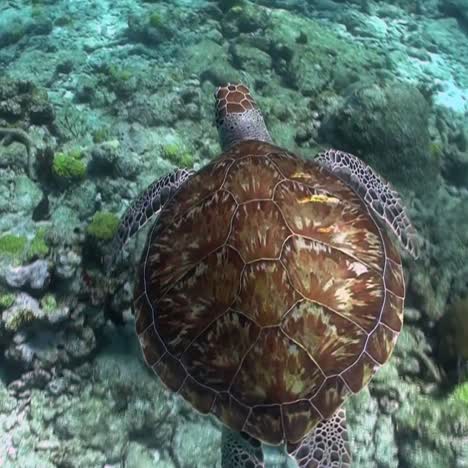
x=98, y=100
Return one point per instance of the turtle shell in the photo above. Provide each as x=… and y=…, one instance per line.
x=267, y=293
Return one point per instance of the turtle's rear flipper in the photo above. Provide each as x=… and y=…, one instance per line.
x=239, y=450
x=147, y=205
x=326, y=446
x=377, y=194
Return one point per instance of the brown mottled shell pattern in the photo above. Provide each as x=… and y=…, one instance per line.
x=267, y=293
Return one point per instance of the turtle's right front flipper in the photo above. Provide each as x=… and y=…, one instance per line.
x=147, y=205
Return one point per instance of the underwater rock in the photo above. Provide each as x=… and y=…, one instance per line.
x=432, y=431
x=46, y=335
x=245, y=17
x=20, y=314
x=35, y=276
x=209, y=60
x=151, y=29
x=64, y=221
x=37, y=378
x=361, y=419
x=314, y=59
x=67, y=263
x=138, y=456
x=456, y=167
x=23, y=103
x=26, y=195
x=457, y=9
x=251, y=59
x=387, y=125
x=104, y=158
x=19, y=194
x=199, y=442
x=154, y=110
x=386, y=450
x=453, y=331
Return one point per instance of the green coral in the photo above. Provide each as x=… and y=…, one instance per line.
x=69, y=166
x=435, y=150
x=103, y=226
x=18, y=248
x=12, y=246
x=117, y=74
x=155, y=20
x=38, y=247
x=101, y=134
x=6, y=300
x=460, y=393
x=177, y=155
x=228, y=4
x=36, y=11
x=49, y=303
x=118, y=80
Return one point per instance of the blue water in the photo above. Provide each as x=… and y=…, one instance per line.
x=100, y=99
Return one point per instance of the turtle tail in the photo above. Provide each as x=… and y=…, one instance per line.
x=237, y=116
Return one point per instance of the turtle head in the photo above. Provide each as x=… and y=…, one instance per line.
x=237, y=116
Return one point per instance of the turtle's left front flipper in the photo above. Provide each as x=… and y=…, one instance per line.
x=378, y=194
x=326, y=446
x=147, y=205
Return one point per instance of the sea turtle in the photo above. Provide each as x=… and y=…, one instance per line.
x=269, y=289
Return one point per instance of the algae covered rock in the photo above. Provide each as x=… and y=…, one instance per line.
x=387, y=125
x=22, y=103
x=314, y=59
x=12, y=246
x=103, y=226
x=68, y=167
x=16, y=249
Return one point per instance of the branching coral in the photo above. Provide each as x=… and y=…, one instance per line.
x=73, y=123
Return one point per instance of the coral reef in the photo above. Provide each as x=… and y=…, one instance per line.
x=95, y=107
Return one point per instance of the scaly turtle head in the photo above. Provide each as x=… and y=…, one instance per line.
x=237, y=116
